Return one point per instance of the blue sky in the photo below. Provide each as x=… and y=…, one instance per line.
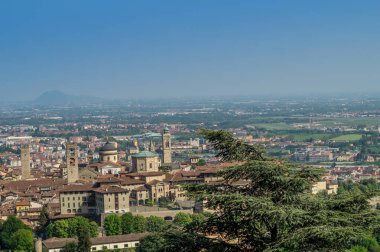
x=164, y=49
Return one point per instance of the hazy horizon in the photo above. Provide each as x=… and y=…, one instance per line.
x=149, y=49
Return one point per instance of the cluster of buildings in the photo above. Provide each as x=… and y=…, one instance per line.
x=98, y=185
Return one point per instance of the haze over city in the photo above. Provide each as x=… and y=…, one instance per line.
x=154, y=49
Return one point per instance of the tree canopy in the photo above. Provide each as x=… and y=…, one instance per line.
x=266, y=205
x=9, y=233
x=70, y=227
x=112, y=225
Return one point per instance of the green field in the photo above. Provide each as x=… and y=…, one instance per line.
x=351, y=122
x=274, y=126
x=302, y=137
x=348, y=137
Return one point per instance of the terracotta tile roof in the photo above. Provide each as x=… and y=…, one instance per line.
x=129, y=181
x=108, y=179
x=141, y=188
x=110, y=189
x=23, y=203
x=77, y=188
x=25, y=185
x=145, y=174
x=56, y=243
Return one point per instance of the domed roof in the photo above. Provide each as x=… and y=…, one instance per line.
x=166, y=130
x=108, y=147
x=144, y=154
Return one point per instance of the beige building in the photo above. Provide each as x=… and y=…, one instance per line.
x=145, y=161
x=111, y=199
x=321, y=186
x=158, y=189
x=72, y=153
x=166, y=147
x=108, y=153
x=77, y=199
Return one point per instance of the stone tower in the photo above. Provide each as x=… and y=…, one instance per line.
x=151, y=146
x=72, y=152
x=90, y=156
x=25, y=161
x=166, y=147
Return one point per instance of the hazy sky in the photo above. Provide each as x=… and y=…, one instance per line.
x=137, y=48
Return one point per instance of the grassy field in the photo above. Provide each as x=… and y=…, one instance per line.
x=351, y=122
x=348, y=137
x=274, y=126
x=303, y=137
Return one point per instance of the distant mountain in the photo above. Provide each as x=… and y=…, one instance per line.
x=59, y=98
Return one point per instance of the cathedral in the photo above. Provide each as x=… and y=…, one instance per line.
x=138, y=161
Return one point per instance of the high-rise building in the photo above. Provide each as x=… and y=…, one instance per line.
x=25, y=161
x=72, y=153
x=166, y=147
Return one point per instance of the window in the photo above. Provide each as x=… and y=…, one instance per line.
x=115, y=246
x=93, y=248
x=104, y=247
x=136, y=244
x=68, y=204
x=63, y=204
x=126, y=245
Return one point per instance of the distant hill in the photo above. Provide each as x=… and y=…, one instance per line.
x=59, y=98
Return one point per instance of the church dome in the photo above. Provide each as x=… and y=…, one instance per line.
x=108, y=147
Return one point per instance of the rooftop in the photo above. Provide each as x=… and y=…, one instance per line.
x=56, y=243
x=144, y=154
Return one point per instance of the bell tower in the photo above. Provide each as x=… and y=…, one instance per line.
x=72, y=152
x=166, y=147
x=25, y=161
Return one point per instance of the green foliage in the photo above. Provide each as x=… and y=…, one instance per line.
x=182, y=219
x=58, y=229
x=231, y=149
x=156, y=224
x=70, y=227
x=43, y=222
x=164, y=202
x=358, y=249
x=112, y=225
x=22, y=240
x=84, y=243
x=266, y=205
x=70, y=247
x=367, y=186
x=127, y=223
x=9, y=228
x=201, y=162
x=139, y=224
x=152, y=243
